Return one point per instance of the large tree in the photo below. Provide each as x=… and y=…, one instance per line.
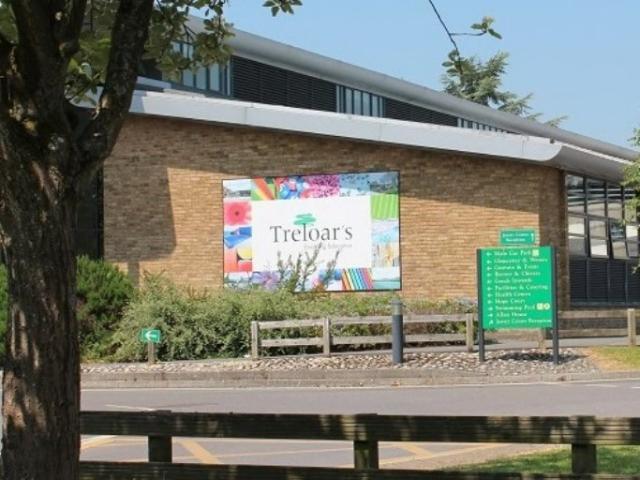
x=54, y=53
x=481, y=81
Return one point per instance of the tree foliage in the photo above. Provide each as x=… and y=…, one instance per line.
x=481, y=81
x=632, y=180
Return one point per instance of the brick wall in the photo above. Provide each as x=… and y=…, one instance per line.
x=163, y=205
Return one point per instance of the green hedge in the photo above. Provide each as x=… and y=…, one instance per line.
x=199, y=325
x=103, y=291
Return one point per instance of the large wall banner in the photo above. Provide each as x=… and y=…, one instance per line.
x=349, y=223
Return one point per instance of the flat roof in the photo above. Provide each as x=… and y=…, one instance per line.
x=510, y=147
x=303, y=61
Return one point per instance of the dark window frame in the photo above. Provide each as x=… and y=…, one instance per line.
x=598, y=280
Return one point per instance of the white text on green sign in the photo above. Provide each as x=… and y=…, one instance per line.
x=518, y=236
x=517, y=287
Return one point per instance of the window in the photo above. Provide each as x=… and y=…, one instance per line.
x=463, y=123
x=602, y=231
x=575, y=194
x=577, y=236
x=358, y=102
x=598, y=223
x=214, y=78
x=596, y=204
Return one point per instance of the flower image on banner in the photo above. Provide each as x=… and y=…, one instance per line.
x=348, y=224
x=237, y=213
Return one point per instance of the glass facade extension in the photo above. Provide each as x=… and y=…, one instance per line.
x=603, y=242
x=214, y=78
x=358, y=102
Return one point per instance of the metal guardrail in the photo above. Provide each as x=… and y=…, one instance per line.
x=584, y=434
x=327, y=340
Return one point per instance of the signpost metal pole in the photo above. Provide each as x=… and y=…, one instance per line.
x=397, y=334
x=480, y=326
x=151, y=352
x=554, y=297
x=150, y=337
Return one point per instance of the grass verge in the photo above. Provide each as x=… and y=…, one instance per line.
x=616, y=358
x=611, y=460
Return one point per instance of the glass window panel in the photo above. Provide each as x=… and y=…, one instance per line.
x=598, y=228
x=348, y=95
x=619, y=250
x=187, y=78
x=632, y=233
x=616, y=231
x=596, y=197
x=577, y=246
x=575, y=193
x=599, y=248
x=366, y=104
x=201, y=78
x=614, y=201
x=357, y=102
x=214, y=78
x=375, y=106
x=632, y=249
x=576, y=225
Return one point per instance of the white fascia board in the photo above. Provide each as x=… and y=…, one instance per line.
x=359, y=128
x=587, y=162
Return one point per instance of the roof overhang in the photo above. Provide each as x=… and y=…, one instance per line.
x=520, y=148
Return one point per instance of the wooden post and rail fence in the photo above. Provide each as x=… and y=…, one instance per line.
x=328, y=339
x=365, y=431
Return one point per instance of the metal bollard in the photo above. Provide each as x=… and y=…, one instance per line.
x=397, y=333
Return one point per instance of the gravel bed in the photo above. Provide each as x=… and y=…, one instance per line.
x=500, y=363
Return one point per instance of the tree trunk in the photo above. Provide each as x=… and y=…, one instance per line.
x=41, y=383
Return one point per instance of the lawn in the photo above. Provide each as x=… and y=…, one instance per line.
x=616, y=358
x=611, y=460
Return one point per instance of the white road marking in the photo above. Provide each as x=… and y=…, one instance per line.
x=130, y=407
x=98, y=441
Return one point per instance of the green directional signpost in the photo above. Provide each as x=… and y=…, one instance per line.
x=517, y=290
x=151, y=337
x=517, y=237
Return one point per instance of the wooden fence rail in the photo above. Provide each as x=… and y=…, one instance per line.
x=602, y=330
x=327, y=339
x=584, y=434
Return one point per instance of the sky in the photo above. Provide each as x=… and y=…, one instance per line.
x=578, y=57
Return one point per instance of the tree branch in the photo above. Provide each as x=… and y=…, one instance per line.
x=130, y=31
x=70, y=31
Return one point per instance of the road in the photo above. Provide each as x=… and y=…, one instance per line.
x=616, y=398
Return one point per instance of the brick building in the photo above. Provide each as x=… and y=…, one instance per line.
x=465, y=172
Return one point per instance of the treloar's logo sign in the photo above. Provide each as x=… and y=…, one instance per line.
x=348, y=224
x=304, y=231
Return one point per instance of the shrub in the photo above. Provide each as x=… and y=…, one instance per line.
x=196, y=325
x=103, y=292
